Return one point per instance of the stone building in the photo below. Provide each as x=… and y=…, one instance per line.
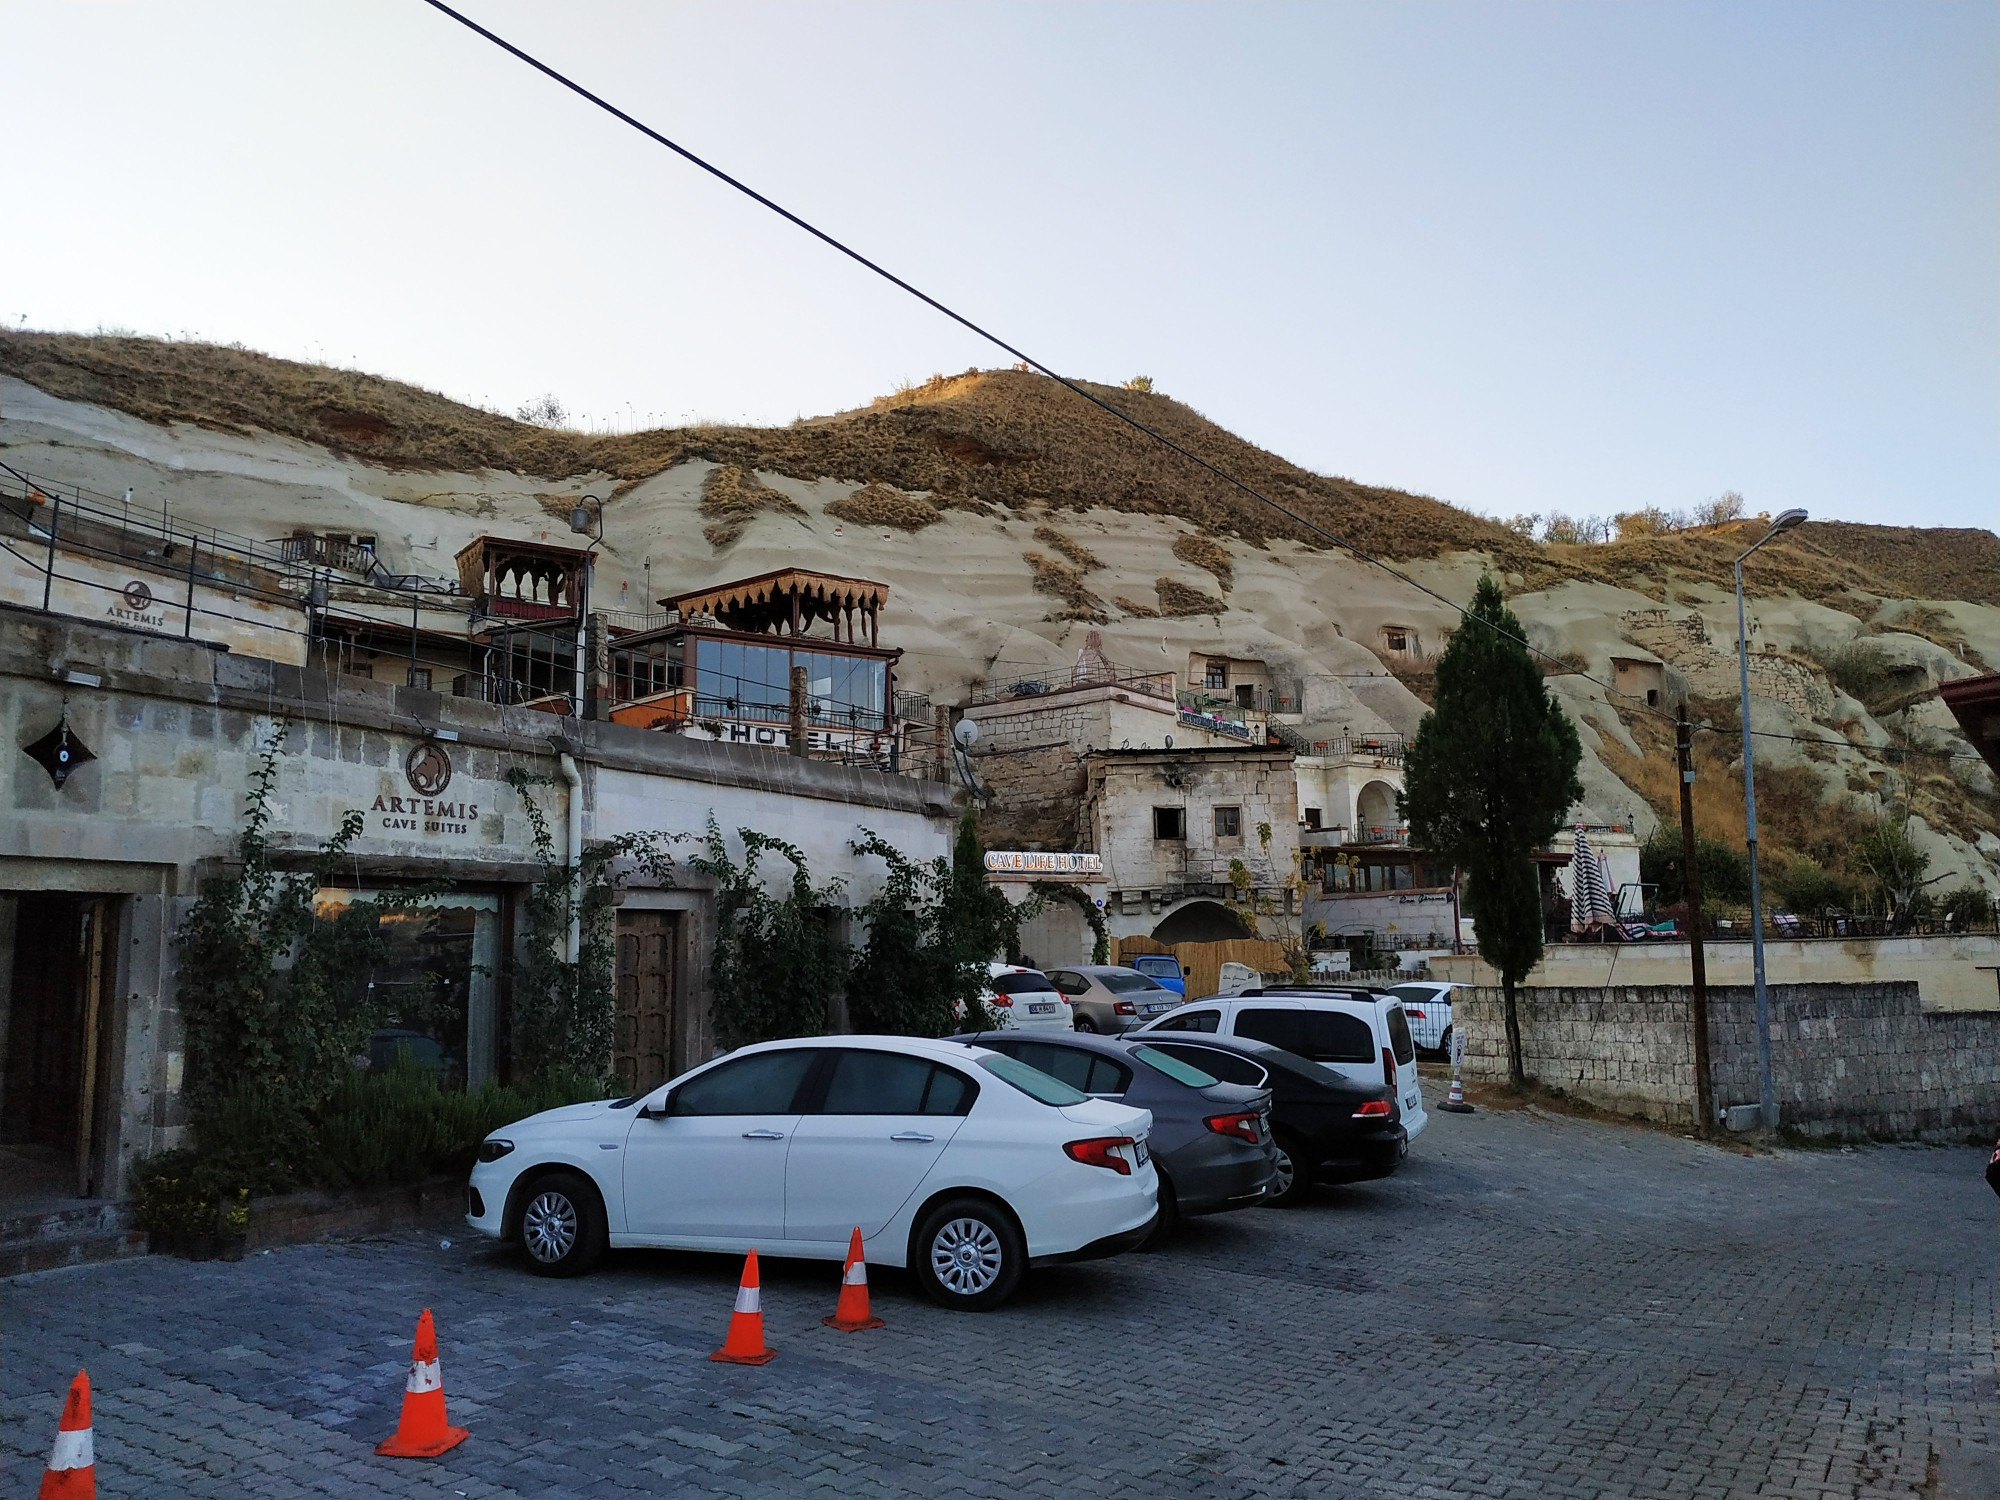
x=1169, y=825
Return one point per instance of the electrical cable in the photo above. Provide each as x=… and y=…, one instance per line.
x=1072, y=386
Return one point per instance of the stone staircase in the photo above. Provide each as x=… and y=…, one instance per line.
x=42, y=1238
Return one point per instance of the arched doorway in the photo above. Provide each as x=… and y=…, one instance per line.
x=1375, y=808
x=1200, y=922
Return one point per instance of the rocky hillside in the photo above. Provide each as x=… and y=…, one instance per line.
x=1009, y=518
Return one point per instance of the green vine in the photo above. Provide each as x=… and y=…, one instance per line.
x=1047, y=891
x=563, y=1014
x=779, y=963
x=915, y=975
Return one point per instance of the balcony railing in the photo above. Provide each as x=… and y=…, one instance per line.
x=1107, y=674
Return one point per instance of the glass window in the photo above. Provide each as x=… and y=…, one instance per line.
x=1190, y=1020
x=1031, y=1081
x=1129, y=982
x=1229, y=822
x=1068, y=983
x=1336, y=1036
x=1228, y=1066
x=1415, y=994
x=950, y=1093
x=1400, y=1041
x=1169, y=823
x=1174, y=1068
x=1312, y=817
x=1030, y=983
x=1072, y=1065
x=876, y=1083
x=764, y=1084
x=1264, y=1023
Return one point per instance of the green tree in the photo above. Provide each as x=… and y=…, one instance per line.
x=906, y=979
x=1895, y=867
x=1488, y=780
x=779, y=964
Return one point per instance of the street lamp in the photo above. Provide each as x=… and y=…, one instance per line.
x=1767, y=1089
x=586, y=519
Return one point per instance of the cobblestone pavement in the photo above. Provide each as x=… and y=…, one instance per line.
x=1536, y=1307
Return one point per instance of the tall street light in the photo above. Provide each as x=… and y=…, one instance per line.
x=1767, y=1088
x=586, y=519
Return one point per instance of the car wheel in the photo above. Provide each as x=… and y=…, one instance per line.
x=1168, y=1217
x=1444, y=1043
x=1084, y=1023
x=1293, y=1176
x=968, y=1255
x=561, y=1225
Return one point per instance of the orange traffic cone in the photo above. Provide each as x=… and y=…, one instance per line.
x=72, y=1470
x=745, y=1344
x=423, y=1431
x=850, y=1314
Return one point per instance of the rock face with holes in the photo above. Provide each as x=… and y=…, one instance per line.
x=1711, y=669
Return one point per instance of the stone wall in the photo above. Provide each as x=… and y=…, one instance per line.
x=1846, y=1059
x=1711, y=667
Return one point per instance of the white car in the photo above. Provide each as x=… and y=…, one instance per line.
x=1022, y=999
x=963, y=1165
x=1427, y=1002
x=1360, y=1034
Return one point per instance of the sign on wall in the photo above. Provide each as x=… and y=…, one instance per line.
x=1042, y=862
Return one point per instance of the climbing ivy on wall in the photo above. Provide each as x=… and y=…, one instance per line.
x=562, y=1014
x=780, y=963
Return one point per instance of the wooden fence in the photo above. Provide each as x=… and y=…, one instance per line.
x=1204, y=961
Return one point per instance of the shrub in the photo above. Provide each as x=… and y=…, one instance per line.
x=1804, y=886
x=779, y=965
x=1967, y=905
x=1725, y=869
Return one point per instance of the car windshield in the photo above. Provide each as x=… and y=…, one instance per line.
x=1126, y=983
x=1174, y=1068
x=1029, y=982
x=1032, y=1081
x=1158, y=966
x=1414, y=994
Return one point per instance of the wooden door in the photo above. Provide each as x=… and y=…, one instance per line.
x=642, y=1045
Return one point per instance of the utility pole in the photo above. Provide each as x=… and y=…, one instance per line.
x=1704, y=1088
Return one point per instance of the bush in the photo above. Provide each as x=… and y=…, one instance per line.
x=1967, y=906
x=1804, y=886
x=1725, y=869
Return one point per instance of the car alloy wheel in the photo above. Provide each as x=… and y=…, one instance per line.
x=1085, y=1025
x=548, y=1228
x=1288, y=1181
x=966, y=1256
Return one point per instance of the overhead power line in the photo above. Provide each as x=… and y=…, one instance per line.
x=834, y=243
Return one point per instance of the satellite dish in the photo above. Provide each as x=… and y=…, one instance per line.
x=966, y=733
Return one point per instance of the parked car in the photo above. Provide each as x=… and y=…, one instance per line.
x=1211, y=1140
x=1163, y=969
x=1110, y=999
x=1019, y=998
x=1360, y=1034
x=965, y=1165
x=1326, y=1128
x=1427, y=1003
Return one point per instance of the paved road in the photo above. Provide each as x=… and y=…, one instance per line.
x=1536, y=1308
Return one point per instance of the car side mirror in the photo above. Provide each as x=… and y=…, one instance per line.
x=1186, y=972
x=658, y=1111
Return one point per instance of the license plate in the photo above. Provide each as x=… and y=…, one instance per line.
x=1154, y=1010
x=1041, y=1009
x=1139, y=1149
x=1410, y=1101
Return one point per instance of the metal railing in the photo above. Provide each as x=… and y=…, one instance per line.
x=1108, y=674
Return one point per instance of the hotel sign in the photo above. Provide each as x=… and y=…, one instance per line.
x=1042, y=862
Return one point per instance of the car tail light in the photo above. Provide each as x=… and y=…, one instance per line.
x=1004, y=1001
x=1243, y=1127
x=1102, y=1151
x=1124, y=1008
x=1389, y=1070
x=1375, y=1109
x=1414, y=1015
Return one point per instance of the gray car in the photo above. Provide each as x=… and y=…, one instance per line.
x=1212, y=1142
x=1107, y=999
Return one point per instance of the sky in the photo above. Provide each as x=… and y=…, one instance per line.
x=1524, y=256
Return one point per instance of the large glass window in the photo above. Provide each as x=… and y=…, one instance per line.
x=433, y=986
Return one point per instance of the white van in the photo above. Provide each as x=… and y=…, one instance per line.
x=1359, y=1034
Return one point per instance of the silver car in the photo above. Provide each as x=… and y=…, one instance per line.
x=1107, y=999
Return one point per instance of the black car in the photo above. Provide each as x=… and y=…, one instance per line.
x=1211, y=1140
x=1329, y=1129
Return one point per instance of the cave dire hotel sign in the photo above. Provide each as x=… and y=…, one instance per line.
x=1039, y=863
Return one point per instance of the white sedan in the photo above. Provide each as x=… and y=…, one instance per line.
x=1023, y=999
x=961, y=1164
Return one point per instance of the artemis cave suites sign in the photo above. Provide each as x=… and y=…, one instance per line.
x=427, y=769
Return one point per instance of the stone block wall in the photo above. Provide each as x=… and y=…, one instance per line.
x=1711, y=670
x=1846, y=1059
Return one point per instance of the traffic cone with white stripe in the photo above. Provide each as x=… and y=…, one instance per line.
x=423, y=1431
x=850, y=1314
x=745, y=1344
x=72, y=1470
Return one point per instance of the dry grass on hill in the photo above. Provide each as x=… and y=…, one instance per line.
x=1179, y=600
x=731, y=497
x=884, y=505
x=1206, y=552
x=1069, y=547
x=1136, y=609
x=1063, y=582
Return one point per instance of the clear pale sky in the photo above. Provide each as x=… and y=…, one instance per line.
x=1522, y=256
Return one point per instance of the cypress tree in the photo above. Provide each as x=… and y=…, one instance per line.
x=1488, y=781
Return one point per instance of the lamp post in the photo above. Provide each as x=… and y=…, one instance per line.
x=586, y=519
x=1766, y=1086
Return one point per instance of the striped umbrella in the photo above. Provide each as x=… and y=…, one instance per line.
x=1589, y=901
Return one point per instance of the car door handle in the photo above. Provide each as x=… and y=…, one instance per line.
x=913, y=1135
x=763, y=1135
